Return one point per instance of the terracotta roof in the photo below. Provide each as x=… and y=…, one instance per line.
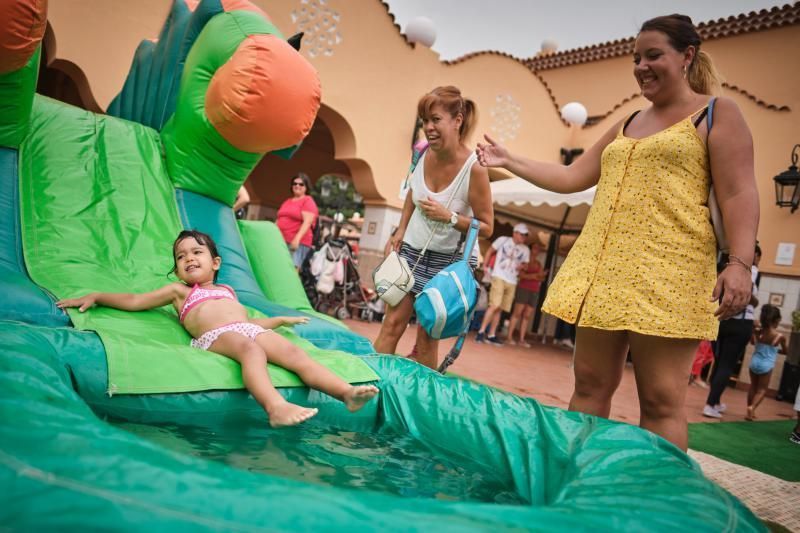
x=776, y=17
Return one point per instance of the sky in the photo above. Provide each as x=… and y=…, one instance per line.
x=518, y=27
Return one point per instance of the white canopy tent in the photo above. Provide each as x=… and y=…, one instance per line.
x=518, y=200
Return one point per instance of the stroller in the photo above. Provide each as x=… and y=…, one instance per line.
x=337, y=283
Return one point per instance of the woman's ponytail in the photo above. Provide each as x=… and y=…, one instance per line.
x=702, y=76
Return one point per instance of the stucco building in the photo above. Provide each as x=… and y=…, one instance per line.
x=372, y=77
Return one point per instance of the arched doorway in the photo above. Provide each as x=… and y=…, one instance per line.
x=63, y=80
x=329, y=149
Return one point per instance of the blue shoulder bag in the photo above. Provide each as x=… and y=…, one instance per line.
x=445, y=305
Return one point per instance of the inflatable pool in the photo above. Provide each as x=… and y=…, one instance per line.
x=108, y=420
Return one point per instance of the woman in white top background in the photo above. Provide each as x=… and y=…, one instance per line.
x=448, y=169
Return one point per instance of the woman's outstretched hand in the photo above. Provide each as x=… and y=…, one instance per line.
x=491, y=154
x=735, y=284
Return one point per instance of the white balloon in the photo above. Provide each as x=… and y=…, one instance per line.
x=574, y=113
x=421, y=30
x=549, y=46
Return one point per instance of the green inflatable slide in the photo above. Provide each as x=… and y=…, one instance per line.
x=109, y=421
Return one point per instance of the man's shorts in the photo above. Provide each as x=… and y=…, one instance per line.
x=501, y=294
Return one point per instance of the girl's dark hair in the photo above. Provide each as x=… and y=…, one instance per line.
x=304, y=178
x=203, y=239
x=770, y=315
x=679, y=29
x=450, y=99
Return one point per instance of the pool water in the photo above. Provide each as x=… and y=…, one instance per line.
x=316, y=453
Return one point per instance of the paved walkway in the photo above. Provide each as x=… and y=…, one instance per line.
x=543, y=372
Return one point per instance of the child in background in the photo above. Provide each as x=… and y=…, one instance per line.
x=768, y=341
x=703, y=356
x=218, y=322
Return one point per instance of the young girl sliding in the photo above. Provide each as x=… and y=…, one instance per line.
x=767, y=341
x=219, y=323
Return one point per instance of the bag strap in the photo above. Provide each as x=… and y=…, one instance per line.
x=709, y=123
x=472, y=237
x=439, y=225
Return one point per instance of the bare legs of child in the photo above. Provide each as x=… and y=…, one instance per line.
x=756, y=393
x=253, y=356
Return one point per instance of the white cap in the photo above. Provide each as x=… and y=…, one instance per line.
x=521, y=228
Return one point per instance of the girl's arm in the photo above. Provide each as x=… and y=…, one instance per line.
x=278, y=321
x=125, y=301
x=782, y=344
x=730, y=146
x=583, y=173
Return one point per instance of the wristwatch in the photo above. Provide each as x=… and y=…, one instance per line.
x=453, y=219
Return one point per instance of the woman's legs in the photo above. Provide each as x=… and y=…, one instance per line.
x=394, y=325
x=599, y=361
x=283, y=353
x=516, y=315
x=527, y=317
x=253, y=360
x=427, y=349
x=661, y=365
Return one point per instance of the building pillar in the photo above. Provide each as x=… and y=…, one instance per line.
x=379, y=223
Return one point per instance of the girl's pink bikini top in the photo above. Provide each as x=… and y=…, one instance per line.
x=199, y=295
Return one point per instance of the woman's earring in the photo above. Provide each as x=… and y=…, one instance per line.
x=684, y=71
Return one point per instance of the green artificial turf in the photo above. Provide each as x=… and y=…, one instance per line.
x=762, y=446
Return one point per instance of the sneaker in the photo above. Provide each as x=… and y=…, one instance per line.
x=567, y=343
x=524, y=344
x=494, y=340
x=711, y=412
x=794, y=437
x=480, y=337
x=721, y=408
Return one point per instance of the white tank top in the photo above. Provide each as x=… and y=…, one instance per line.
x=419, y=227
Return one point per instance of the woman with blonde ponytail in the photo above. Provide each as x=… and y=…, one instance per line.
x=642, y=274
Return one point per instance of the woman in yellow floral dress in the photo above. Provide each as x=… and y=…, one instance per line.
x=642, y=273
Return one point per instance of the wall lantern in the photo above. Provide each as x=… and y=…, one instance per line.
x=787, y=185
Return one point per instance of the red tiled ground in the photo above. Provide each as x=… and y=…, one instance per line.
x=543, y=372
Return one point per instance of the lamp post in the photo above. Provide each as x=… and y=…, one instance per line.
x=787, y=185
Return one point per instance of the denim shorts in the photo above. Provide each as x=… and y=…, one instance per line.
x=299, y=255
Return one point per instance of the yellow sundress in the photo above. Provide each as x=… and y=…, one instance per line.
x=645, y=259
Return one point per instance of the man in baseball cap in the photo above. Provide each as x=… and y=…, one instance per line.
x=512, y=255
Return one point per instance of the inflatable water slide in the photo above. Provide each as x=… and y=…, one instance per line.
x=110, y=421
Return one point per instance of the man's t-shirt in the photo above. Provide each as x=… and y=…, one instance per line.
x=509, y=258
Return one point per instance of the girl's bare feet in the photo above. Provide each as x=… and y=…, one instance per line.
x=289, y=414
x=358, y=395
x=751, y=413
